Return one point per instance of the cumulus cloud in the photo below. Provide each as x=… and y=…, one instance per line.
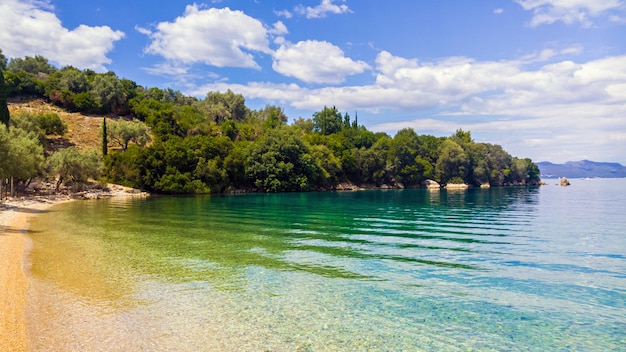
x=533, y=110
x=217, y=37
x=314, y=61
x=568, y=11
x=30, y=27
x=323, y=9
x=457, y=85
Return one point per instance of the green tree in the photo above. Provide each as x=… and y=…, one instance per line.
x=21, y=155
x=328, y=121
x=220, y=107
x=72, y=164
x=34, y=65
x=372, y=162
x=4, y=110
x=3, y=61
x=329, y=164
x=280, y=162
x=108, y=94
x=499, y=164
x=410, y=168
x=453, y=163
x=123, y=132
x=105, y=138
x=23, y=83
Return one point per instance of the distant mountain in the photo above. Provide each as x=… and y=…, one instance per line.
x=581, y=169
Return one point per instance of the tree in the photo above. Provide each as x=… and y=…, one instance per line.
x=4, y=110
x=40, y=125
x=34, y=65
x=108, y=94
x=453, y=163
x=105, y=138
x=23, y=83
x=21, y=155
x=71, y=164
x=3, y=61
x=124, y=132
x=328, y=121
x=280, y=162
x=403, y=155
x=220, y=107
x=328, y=162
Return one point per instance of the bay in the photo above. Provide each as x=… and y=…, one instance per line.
x=520, y=268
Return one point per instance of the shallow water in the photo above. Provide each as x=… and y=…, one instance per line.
x=485, y=269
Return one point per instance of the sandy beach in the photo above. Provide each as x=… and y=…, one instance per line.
x=14, y=221
x=14, y=216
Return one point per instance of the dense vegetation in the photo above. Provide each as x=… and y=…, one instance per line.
x=163, y=141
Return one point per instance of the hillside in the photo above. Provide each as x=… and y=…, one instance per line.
x=83, y=130
x=582, y=169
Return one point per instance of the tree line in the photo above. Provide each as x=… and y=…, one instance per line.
x=163, y=141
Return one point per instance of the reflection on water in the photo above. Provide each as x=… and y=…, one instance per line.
x=496, y=268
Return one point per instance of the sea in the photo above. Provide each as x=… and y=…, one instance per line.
x=500, y=269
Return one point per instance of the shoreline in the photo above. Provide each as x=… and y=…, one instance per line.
x=15, y=216
x=14, y=222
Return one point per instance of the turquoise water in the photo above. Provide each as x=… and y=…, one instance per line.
x=532, y=269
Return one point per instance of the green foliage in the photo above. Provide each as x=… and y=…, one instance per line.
x=23, y=83
x=4, y=110
x=217, y=143
x=328, y=121
x=108, y=94
x=34, y=65
x=21, y=154
x=105, y=137
x=123, y=132
x=40, y=125
x=72, y=164
x=280, y=162
x=219, y=107
x=329, y=164
x=3, y=61
x=51, y=124
x=452, y=164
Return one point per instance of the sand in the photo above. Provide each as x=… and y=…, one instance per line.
x=14, y=216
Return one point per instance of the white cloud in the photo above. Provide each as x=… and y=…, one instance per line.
x=316, y=62
x=30, y=28
x=217, y=37
x=279, y=28
x=284, y=13
x=569, y=11
x=323, y=9
x=545, y=112
x=498, y=11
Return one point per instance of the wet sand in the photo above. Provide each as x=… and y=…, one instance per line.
x=14, y=283
x=14, y=216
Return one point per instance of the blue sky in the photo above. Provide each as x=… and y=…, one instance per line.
x=546, y=79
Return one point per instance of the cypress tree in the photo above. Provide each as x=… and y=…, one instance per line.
x=4, y=109
x=105, y=140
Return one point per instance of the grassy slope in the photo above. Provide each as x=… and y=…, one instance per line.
x=83, y=130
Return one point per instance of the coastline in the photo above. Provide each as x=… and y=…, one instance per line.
x=14, y=218
x=15, y=215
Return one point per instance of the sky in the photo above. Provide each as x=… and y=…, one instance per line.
x=545, y=79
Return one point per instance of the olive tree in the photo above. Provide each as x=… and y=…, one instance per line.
x=72, y=164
